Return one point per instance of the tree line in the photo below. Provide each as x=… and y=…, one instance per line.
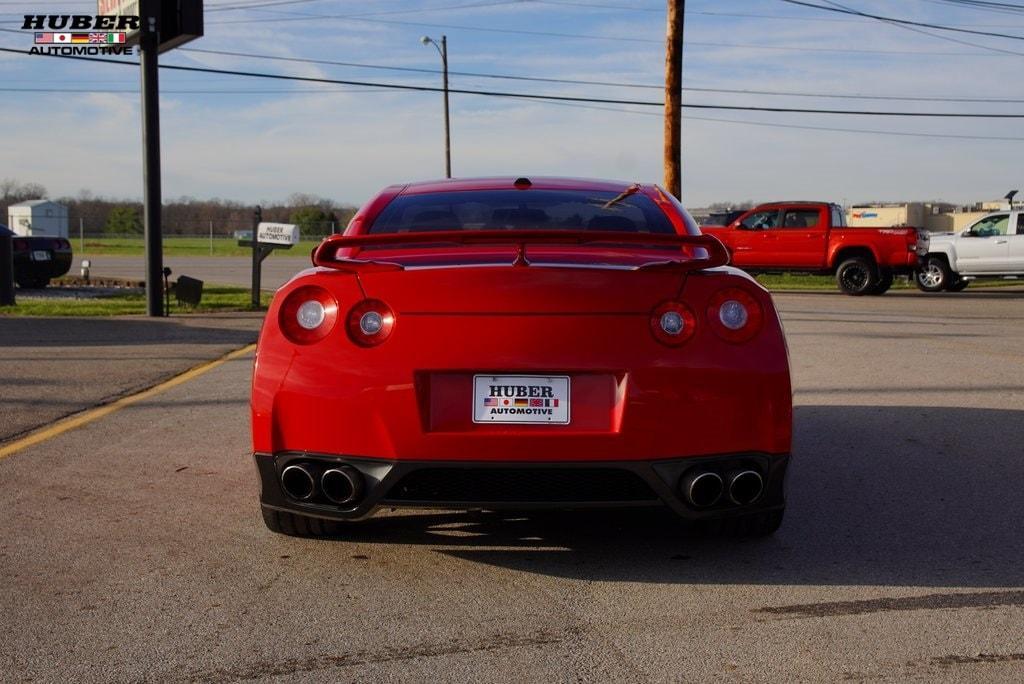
x=185, y=215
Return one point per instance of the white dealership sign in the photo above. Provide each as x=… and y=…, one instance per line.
x=278, y=233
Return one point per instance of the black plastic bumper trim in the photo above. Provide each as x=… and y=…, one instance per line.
x=381, y=475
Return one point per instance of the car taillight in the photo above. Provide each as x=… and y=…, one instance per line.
x=735, y=315
x=370, y=322
x=308, y=314
x=673, y=323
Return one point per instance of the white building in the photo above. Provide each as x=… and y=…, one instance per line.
x=38, y=217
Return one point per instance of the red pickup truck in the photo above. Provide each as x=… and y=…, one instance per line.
x=812, y=237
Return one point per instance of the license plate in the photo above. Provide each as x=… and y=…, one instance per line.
x=521, y=399
x=40, y=255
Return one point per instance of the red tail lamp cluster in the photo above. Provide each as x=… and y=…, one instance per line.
x=310, y=313
x=733, y=314
x=370, y=322
x=673, y=323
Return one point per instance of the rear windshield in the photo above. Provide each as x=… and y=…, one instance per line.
x=522, y=210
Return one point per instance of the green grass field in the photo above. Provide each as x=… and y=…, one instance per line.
x=214, y=299
x=178, y=246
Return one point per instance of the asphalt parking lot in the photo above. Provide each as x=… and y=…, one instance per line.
x=132, y=548
x=278, y=268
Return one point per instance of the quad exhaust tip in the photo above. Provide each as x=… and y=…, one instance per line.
x=342, y=485
x=745, y=487
x=297, y=482
x=702, y=489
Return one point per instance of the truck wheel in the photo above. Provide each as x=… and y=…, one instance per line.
x=958, y=286
x=857, y=276
x=885, y=278
x=299, y=525
x=934, y=275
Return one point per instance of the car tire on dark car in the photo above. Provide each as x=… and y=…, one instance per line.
x=934, y=276
x=33, y=283
x=857, y=276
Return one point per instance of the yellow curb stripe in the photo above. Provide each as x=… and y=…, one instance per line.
x=86, y=417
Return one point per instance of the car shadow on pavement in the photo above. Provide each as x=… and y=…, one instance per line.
x=894, y=496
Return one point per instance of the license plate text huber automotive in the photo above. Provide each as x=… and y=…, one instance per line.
x=521, y=399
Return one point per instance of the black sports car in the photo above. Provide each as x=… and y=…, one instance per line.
x=37, y=259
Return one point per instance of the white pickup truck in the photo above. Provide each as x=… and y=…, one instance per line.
x=992, y=247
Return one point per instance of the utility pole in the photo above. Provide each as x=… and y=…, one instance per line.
x=149, y=46
x=674, y=97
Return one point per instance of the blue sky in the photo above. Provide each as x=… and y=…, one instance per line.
x=345, y=142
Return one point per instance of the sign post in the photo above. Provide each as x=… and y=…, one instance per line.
x=149, y=44
x=163, y=25
x=265, y=238
x=6, y=270
x=257, y=257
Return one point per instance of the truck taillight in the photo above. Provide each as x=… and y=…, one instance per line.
x=308, y=314
x=735, y=315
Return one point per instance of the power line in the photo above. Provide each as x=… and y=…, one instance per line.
x=324, y=91
x=948, y=39
x=537, y=96
x=296, y=16
x=617, y=84
x=632, y=39
x=179, y=91
x=905, y=22
x=799, y=127
x=995, y=7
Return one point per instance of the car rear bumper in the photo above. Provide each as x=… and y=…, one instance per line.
x=518, y=485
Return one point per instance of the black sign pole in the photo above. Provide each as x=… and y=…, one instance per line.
x=257, y=258
x=6, y=270
x=149, y=46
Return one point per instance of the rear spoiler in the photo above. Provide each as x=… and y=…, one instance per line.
x=696, y=251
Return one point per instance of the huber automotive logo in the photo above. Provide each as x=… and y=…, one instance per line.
x=80, y=34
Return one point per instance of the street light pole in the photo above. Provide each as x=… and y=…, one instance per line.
x=443, y=50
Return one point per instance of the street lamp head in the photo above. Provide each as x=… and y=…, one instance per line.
x=426, y=40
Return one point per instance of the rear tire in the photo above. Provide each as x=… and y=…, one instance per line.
x=958, y=286
x=857, y=276
x=934, y=276
x=885, y=278
x=299, y=525
x=33, y=283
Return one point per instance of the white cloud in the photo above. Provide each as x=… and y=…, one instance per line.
x=348, y=145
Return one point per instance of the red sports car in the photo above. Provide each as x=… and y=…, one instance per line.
x=521, y=343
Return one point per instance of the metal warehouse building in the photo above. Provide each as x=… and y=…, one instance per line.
x=38, y=217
